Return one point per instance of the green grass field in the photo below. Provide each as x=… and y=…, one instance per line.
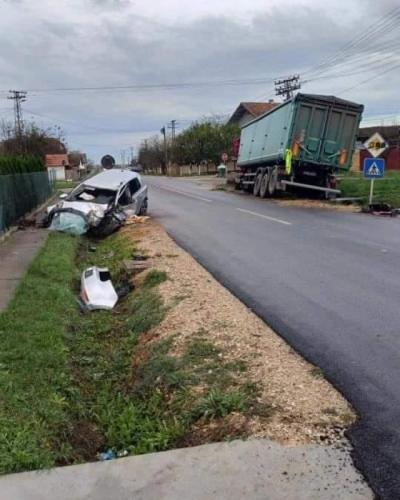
x=386, y=190
x=75, y=384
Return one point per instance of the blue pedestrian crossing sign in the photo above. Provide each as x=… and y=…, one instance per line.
x=374, y=168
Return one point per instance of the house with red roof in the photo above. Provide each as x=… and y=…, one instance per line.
x=56, y=166
x=247, y=111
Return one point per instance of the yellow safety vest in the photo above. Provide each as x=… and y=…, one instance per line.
x=288, y=161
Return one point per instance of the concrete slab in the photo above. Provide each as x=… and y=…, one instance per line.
x=16, y=254
x=254, y=469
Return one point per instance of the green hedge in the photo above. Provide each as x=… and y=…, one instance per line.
x=20, y=164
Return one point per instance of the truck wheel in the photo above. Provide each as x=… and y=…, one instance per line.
x=273, y=181
x=257, y=184
x=264, y=184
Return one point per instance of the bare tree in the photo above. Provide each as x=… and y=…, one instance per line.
x=36, y=141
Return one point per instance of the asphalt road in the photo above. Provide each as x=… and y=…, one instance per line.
x=327, y=282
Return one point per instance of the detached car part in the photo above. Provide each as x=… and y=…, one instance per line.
x=97, y=290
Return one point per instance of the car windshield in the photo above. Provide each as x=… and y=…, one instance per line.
x=93, y=195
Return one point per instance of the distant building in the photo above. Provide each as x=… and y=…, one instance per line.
x=77, y=165
x=391, y=135
x=57, y=166
x=247, y=111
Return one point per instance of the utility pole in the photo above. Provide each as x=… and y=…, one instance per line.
x=287, y=86
x=164, y=133
x=173, y=127
x=18, y=96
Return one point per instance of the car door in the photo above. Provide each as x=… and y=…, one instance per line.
x=139, y=193
x=132, y=196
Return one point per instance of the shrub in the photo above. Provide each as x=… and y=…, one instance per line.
x=20, y=164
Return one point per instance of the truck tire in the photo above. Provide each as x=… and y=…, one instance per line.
x=257, y=184
x=264, y=184
x=273, y=181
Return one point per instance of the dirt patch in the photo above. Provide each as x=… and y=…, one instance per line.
x=320, y=204
x=86, y=440
x=295, y=404
x=233, y=426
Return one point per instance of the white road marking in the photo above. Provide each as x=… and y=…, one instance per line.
x=183, y=193
x=273, y=219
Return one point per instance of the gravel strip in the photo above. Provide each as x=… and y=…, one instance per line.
x=306, y=408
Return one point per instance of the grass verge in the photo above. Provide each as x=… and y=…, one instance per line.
x=386, y=190
x=74, y=384
x=66, y=184
x=34, y=378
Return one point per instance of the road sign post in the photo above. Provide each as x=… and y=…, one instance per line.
x=371, y=192
x=374, y=168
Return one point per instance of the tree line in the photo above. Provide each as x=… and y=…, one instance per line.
x=202, y=142
x=26, y=152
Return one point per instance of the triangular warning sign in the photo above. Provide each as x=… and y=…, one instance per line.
x=374, y=170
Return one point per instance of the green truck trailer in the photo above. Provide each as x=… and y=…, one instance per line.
x=302, y=143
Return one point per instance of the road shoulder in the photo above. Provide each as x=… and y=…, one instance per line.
x=302, y=406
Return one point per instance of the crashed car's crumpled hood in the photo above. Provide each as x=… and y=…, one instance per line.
x=84, y=207
x=76, y=217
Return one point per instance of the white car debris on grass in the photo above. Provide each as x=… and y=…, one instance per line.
x=97, y=290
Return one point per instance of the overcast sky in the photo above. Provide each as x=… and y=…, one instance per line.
x=53, y=44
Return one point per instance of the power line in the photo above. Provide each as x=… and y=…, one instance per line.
x=359, y=62
x=392, y=68
x=358, y=70
x=386, y=23
x=166, y=86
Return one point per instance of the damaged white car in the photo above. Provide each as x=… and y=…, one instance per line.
x=100, y=204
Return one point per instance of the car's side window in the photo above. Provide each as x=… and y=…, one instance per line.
x=126, y=197
x=134, y=185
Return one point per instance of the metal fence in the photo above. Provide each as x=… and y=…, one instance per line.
x=21, y=193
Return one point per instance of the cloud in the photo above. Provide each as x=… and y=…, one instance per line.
x=112, y=4
x=115, y=42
